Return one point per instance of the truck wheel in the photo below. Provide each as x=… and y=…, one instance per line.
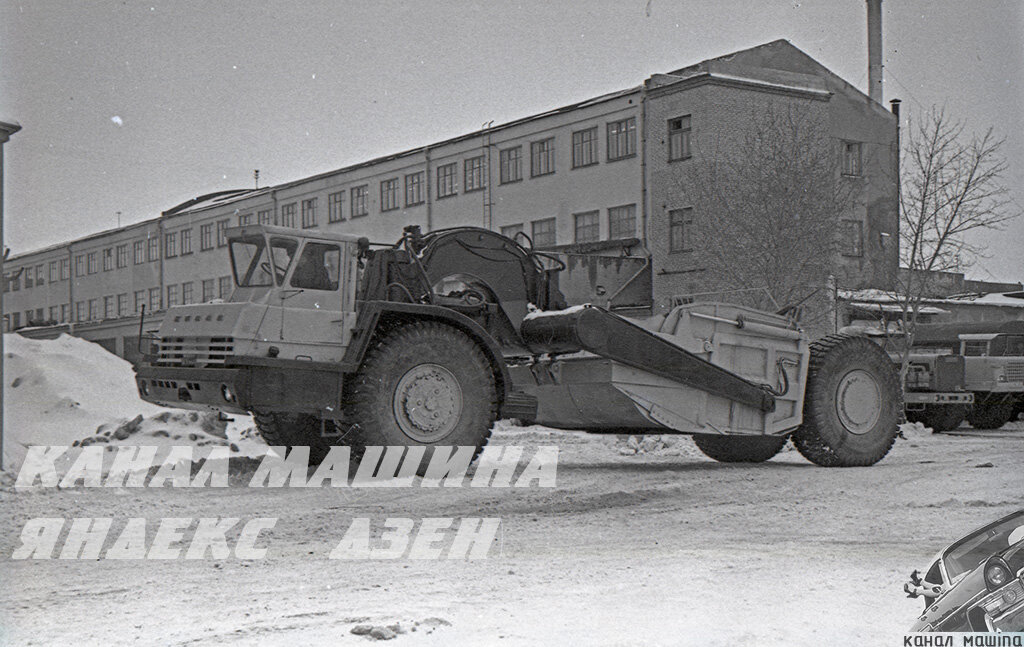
x=852, y=403
x=940, y=417
x=990, y=416
x=425, y=383
x=293, y=430
x=739, y=449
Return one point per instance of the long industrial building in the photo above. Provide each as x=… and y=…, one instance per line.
x=597, y=181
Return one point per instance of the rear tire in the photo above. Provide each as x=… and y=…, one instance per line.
x=424, y=383
x=293, y=430
x=739, y=449
x=990, y=416
x=852, y=403
x=940, y=417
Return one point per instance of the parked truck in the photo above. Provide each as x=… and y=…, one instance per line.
x=328, y=339
x=966, y=370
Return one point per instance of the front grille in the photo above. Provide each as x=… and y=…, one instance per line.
x=1015, y=372
x=195, y=351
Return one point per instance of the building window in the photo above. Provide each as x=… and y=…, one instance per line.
x=288, y=214
x=15, y=281
x=851, y=158
x=39, y=275
x=309, y=213
x=621, y=139
x=139, y=252
x=542, y=157
x=586, y=227
x=473, y=174
x=153, y=249
x=187, y=292
x=54, y=313
x=108, y=307
x=108, y=259
x=27, y=272
x=622, y=222
x=186, y=241
x=446, y=180
x=543, y=232
x=389, y=194
x=244, y=219
x=680, y=230
x=92, y=262
x=265, y=217
x=414, y=189
x=154, y=299
x=208, y=287
x=140, y=300
x=679, y=138
x=53, y=272
x=222, y=232
x=122, y=305
x=335, y=205
x=65, y=269
x=79, y=265
x=357, y=203
x=80, y=312
x=172, y=296
x=852, y=232
x=205, y=237
x=510, y=162
x=94, y=309
x=122, y=256
x=511, y=231
x=170, y=244
x=224, y=287
x=584, y=147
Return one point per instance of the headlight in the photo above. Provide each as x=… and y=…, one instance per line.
x=997, y=573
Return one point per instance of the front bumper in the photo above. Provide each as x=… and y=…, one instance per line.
x=1004, y=608
x=300, y=389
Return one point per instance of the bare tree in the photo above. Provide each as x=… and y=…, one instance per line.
x=951, y=186
x=771, y=207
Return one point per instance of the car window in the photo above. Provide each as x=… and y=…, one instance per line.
x=318, y=267
x=934, y=574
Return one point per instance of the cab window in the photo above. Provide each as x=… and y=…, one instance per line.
x=318, y=268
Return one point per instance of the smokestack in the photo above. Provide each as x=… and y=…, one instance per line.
x=875, y=50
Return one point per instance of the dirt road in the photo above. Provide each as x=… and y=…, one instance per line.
x=662, y=548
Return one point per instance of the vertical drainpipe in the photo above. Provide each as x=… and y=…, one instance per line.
x=71, y=289
x=895, y=236
x=488, y=203
x=643, y=168
x=426, y=185
x=160, y=255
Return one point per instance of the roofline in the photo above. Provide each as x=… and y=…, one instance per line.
x=76, y=241
x=319, y=234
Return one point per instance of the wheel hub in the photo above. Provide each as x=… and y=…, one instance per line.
x=858, y=401
x=428, y=402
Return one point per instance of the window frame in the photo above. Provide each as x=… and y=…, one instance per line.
x=684, y=133
x=584, y=147
x=473, y=178
x=554, y=231
x=685, y=228
x=631, y=210
x=628, y=136
x=336, y=206
x=389, y=200
x=542, y=153
x=359, y=197
x=510, y=159
x=414, y=188
x=851, y=247
x=308, y=213
x=447, y=179
x=593, y=224
x=853, y=166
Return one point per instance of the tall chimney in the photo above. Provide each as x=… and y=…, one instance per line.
x=875, y=50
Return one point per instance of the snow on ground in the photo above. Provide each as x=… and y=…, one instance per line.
x=68, y=391
x=643, y=541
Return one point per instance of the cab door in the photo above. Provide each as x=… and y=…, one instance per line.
x=311, y=301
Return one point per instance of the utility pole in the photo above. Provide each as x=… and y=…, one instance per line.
x=6, y=130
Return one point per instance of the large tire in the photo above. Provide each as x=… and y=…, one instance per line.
x=293, y=430
x=739, y=449
x=990, y=416
x=852, y=403
x=940, y=417
x=424, y=383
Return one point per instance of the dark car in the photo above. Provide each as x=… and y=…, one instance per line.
x=977, y=583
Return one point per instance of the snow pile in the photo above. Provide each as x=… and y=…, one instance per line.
x=68, y=391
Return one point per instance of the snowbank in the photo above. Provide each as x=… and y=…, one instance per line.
x=68, y=391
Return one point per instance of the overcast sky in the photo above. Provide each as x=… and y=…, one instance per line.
x=137, y=106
